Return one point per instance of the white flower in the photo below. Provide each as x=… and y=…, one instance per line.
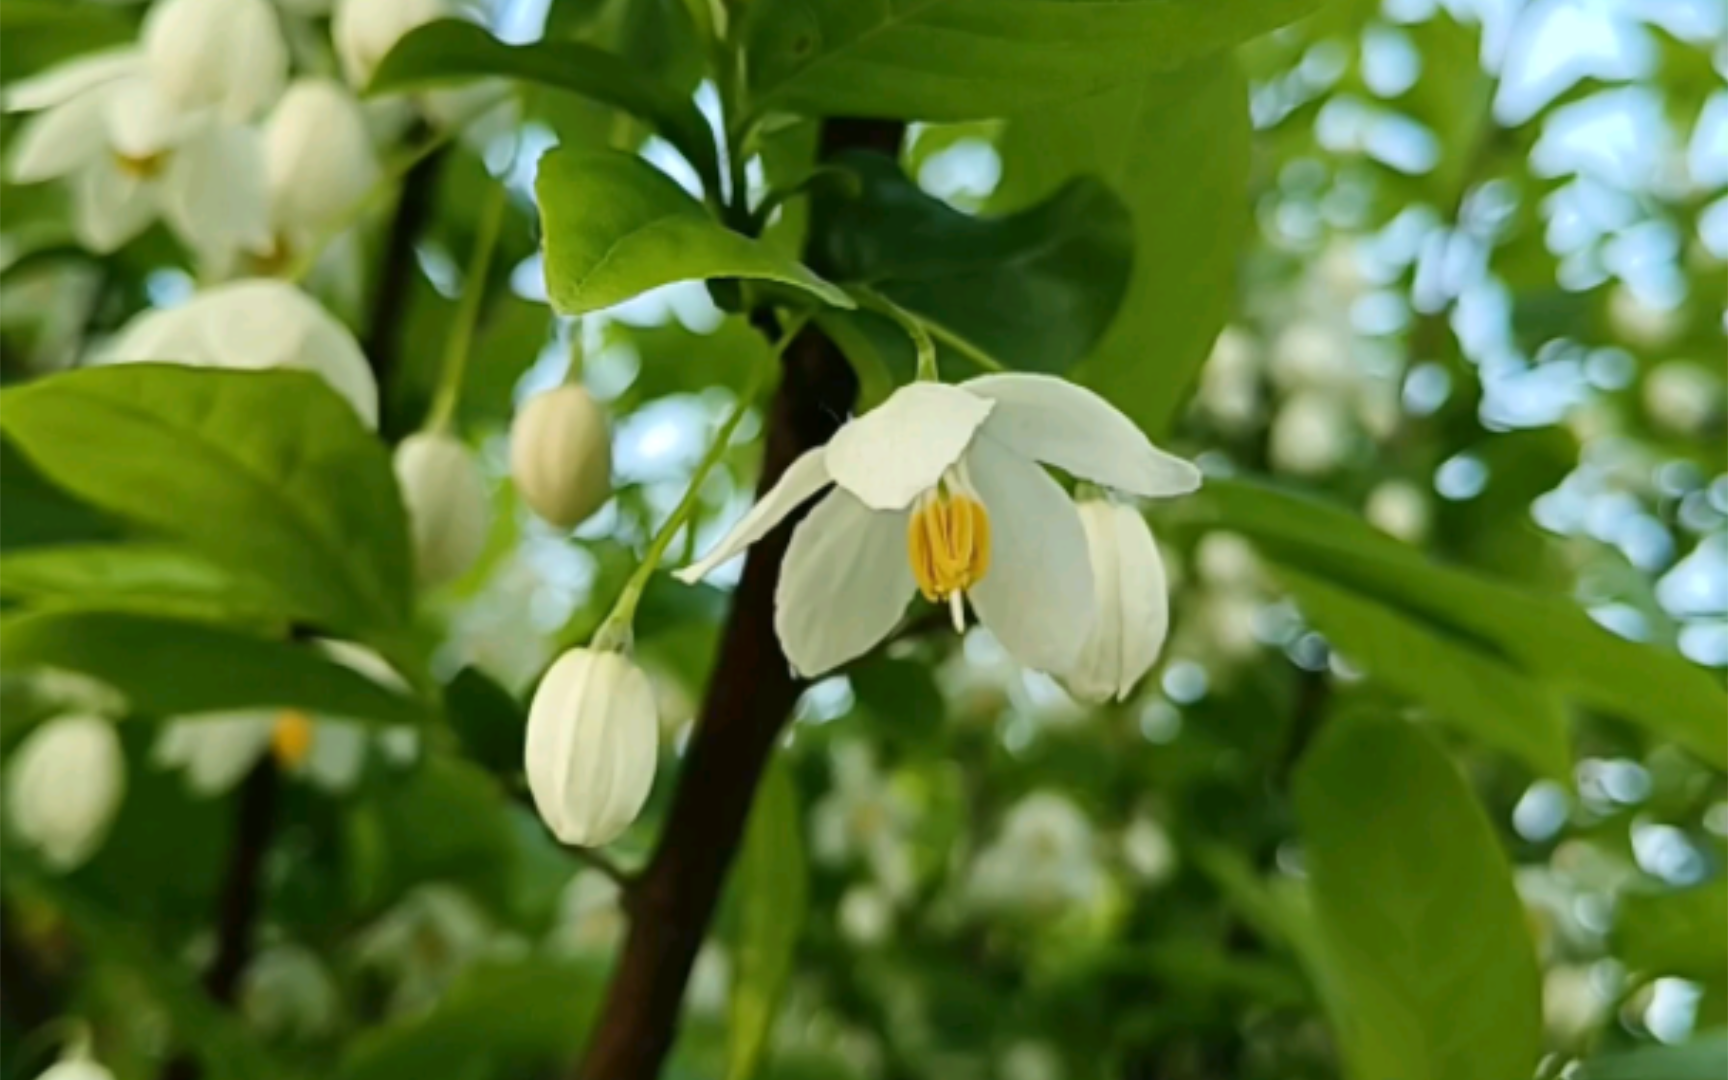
x=1028, y=1060
x=216, y=750
x=319, y=159
x=1641, y=324
x=130, y=155
x=1043, y=860
x=1147, y=850
x=77, y=1064
x=1683, y=397
x=224, y=55
x=427, y=940
x=1230, y=381
x=449, y=512
x=254, y=325
x=1133, y=603
x=287, y=992
x=1572, y=1006
x=593, y=740
x=939, y=490
x=865, y=814
x=67, y=779
x=1311, y=355
x=1399, y=508
x=561, y=455
x=1310, y=435
x=866, y=915
x=366, y=30
x=590, y=919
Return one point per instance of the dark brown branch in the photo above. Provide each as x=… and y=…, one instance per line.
x=397, y=267
x=32, y=992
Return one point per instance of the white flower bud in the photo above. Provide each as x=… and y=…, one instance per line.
x=366, y=30
x=1229, y=383
x=1398, y=507
x=561, y=455
x=318, y=156
x=77, y=1064
x=1133, y=603
x=449, y=512
x=254, y=325
x=592, y=744
x=1309, y=436
x=1682, y=397
x=227, y=55
x=67, y=779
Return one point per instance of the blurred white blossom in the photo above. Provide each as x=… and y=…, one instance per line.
x=865, y=816
x=449, y=509
x=1399, y=508
x=288, y=993
x=64, y=784
x=1044, y=860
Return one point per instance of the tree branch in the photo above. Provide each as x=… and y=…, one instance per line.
x=747, y=705
x=397, y=268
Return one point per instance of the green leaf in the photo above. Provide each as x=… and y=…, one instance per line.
x=268, y=474
x=487, y=719
x=451, y=49
x=148, y=577
x=772, y=902
x=1431, y=967
x=448, y=821
x=1681, y=933
x=1546, y=637
x=1700, y=1059
x=1175, y=148
x=1035, y=290
x=38, y=513
x=533, y=1007
x=976, y=59
x=1475, y=689
x=168, y=668
x=616, y=227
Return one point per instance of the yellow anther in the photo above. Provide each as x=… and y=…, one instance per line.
x=948, y=541
x=141, y=166
x=291, y=740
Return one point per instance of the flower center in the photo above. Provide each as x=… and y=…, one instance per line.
x=142, y=166
x=291, y=740
x=948, y=542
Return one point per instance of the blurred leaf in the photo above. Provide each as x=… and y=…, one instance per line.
x=1544, y=636
x=880, y=353
x=1175, y=148
x=450, y=49
x=976, y=59
x=1034, y=289
x=901, y=696
x=1423, y=933
x=1683, y=933
x=488, y=720
x=36, y=34
x=677, y=360
x=617, y=227
x=445, y=821
x=1700, y=1059
x=533, y=1008
x=168, y=668
x=38, y=513
x=156, y=578
x=267, y=473
x=772, y=898
x=1472, y=688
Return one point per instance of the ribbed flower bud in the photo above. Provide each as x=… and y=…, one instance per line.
x=366, y=30
x=1133, y=603
x=67, y=779
x=448, y=509
x=561, y=455
x=227, y=55
x=593, y=738
x=318, y=157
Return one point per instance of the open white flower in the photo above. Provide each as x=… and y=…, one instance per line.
x=940, y=490
x=130, y=156
x=1044, y=860
x=254, y=325
x=1133, y=603
x=228, y=56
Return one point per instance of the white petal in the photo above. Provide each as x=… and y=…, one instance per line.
x=1037, y=595
x=1054, y=421
x=802, y=479
x=1133, y=603
x=845, y=583
x=110, y=207
x=897, y=451
x=215, y=195
x=337, y=755
x=215, y=751
x=140, y=121
x=60, y=141
x=63, y=82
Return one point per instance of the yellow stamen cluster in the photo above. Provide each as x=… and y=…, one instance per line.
x=141, y=167
x=291, y=740
x=948, y=541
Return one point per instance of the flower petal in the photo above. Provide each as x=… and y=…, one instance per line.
x=1059, y=423
x=214, y=193
x=1037, y=597
x=897, y=451
x=802, y=479
x=63, y=82
x=845, y=583
x=1133, y=604
x=60, y=141
x=110, y=207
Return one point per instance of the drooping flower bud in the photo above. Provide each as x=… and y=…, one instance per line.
x=318, y=156
x=448, y=509
x=254, y=325
x=67, y=780
x=593, y=739
x=561, y=455
x=77, y=1064
x=366, y=30
x=227, y=55
x=1133, y=603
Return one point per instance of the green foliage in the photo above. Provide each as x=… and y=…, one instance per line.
x=1425, y=951
x=770, y=909
x=1682, y=933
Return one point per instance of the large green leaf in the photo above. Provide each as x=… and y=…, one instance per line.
x=1034, y=289
x=1545, y=636
x=974, y=59
x=772, y=899
x=1175, y=148
x=450, y=49
x=1684, y=932
x=617, y=227
x=142, y=576
x=1431, y=967
x=1475, y=689
x=1701, y=1059
x=168, y=668
x=268, y=474
x=38, y=513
